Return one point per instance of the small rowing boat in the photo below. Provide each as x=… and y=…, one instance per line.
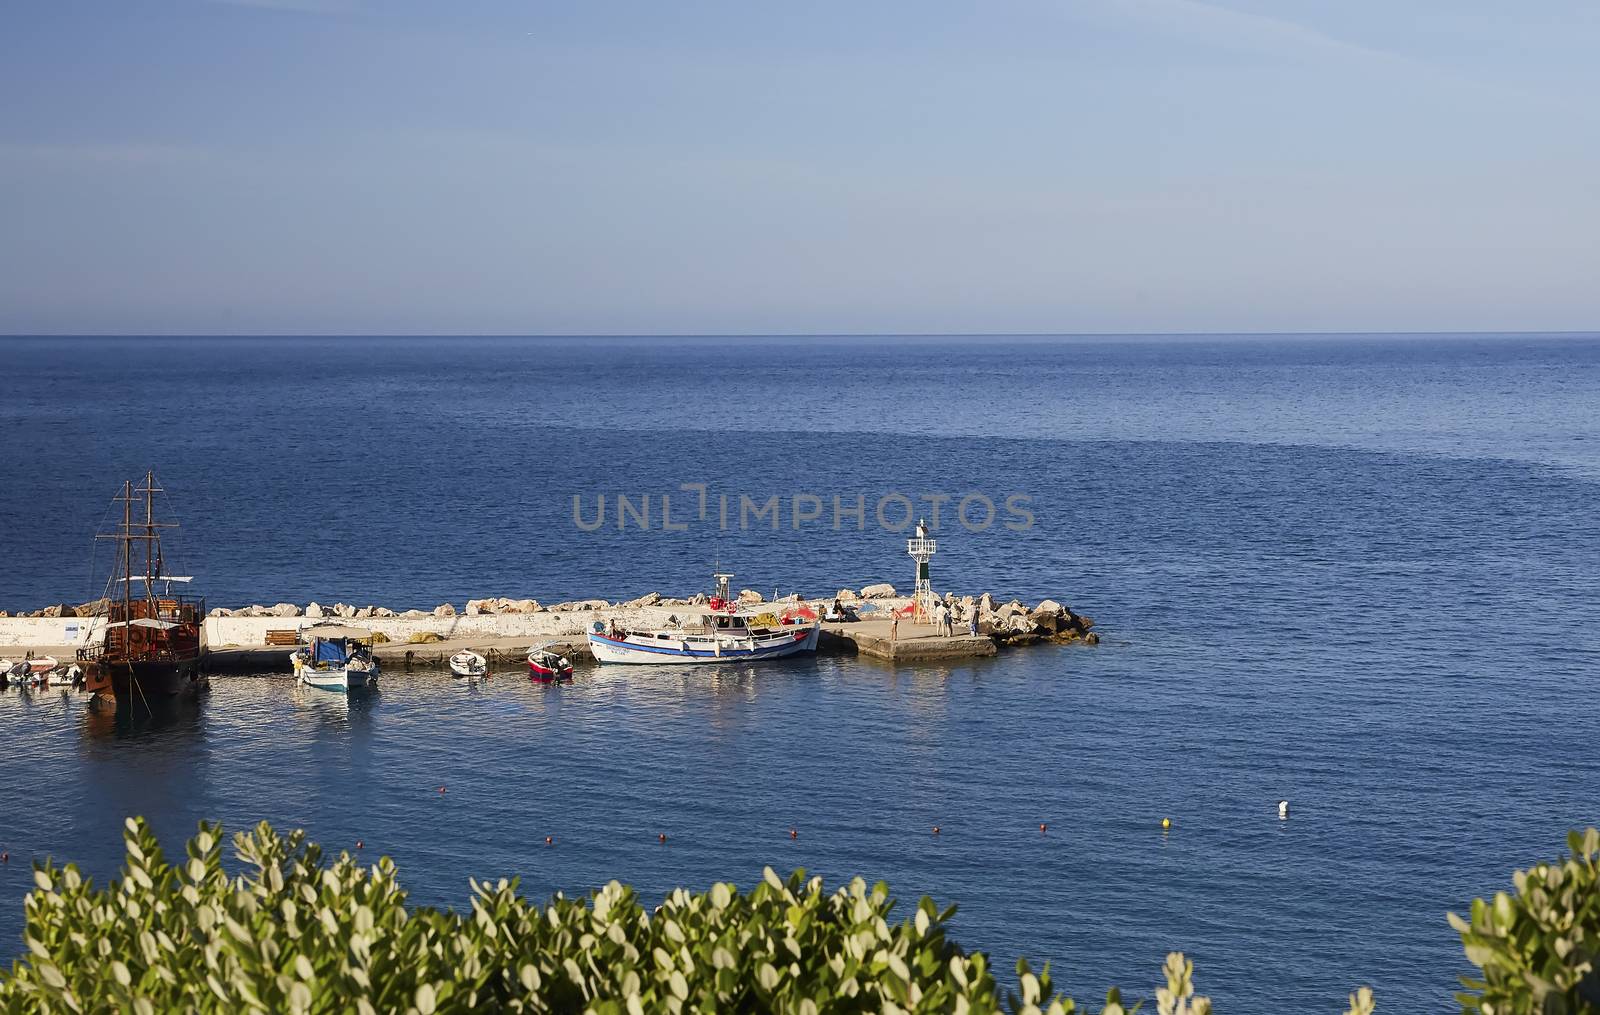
x=546, y=666
x=469, y=664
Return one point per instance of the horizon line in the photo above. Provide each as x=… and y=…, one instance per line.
x=808, y=334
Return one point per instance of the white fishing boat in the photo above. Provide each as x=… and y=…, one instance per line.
x=335, y=658
x=469, y=664
x=719, y=632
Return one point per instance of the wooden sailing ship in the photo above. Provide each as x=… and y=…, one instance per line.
x=154, y=638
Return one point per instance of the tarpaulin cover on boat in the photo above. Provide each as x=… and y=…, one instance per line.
x=330, y=652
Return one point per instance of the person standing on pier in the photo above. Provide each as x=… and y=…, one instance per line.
x=972, y=622
x=894, y=626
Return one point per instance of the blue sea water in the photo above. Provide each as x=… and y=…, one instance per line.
x=1357, y=572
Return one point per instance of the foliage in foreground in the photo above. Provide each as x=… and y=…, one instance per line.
x=1538, y=951
x=293, y=934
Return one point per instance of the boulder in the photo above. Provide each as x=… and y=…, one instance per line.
x=344, y=611
x=314, y=611
x=648, y=599
x=749, y=596
x=880, y=591
x=1049, y=606
x=478, y=607
x=94, y=608
x=62, y=610
x=986, y=603
x=444, y=610
x=364, y=613
x=846, y=596
x=285, y=610
x=382, y=611
x=523, y=606
x=216, y=611
x=698, y=599
x=415, y=614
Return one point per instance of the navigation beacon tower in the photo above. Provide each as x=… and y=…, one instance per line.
x=922, y=550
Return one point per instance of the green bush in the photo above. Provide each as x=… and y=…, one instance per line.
x=1536, y=950
x=295, y=935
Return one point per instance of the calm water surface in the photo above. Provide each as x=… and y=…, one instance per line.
x=1355, y=572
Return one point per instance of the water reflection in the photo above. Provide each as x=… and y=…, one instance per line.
x=177, y=718
x=335, y=711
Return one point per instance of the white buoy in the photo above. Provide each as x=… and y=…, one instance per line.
x=1283, y=810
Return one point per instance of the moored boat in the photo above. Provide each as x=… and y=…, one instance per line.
x=545, y=666
x=721, y=631
x=468, y=663
x=336, y=658
x=154, y=638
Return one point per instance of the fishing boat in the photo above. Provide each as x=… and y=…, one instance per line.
x=66, y=676
x=545, y=665
x=154, y=638
x=469, y=664
x=335, y=658
x=721, y=631
x=34, y=671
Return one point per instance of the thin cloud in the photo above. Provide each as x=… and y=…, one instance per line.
x=1225, y=26
x=306, y=6
x=132, y=154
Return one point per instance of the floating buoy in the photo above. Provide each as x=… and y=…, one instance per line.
x=662, y=836
x=1166, y=823
x=549, y=840
x=1043, y=827
x=794, y=833
x=1283, y=809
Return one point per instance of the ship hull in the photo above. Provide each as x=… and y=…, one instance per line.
x=146, y=679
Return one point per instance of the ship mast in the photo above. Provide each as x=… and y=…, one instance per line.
x=152, y=554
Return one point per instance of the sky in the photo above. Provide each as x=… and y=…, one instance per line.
x=871, y=166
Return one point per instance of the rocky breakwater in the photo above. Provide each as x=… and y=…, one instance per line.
x=870, y=630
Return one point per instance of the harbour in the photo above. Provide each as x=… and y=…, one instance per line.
x=1327, y=619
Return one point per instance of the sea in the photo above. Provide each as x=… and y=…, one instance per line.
x=1354, y=572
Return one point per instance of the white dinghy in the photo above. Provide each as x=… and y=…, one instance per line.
x=469, y=664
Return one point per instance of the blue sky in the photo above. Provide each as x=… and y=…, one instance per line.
x=482, y=166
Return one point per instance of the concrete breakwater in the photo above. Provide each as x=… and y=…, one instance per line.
x=257, y=638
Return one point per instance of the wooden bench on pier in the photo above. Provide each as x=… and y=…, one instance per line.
x=289, y=638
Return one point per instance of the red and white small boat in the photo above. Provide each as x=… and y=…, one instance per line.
x=546, y=666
